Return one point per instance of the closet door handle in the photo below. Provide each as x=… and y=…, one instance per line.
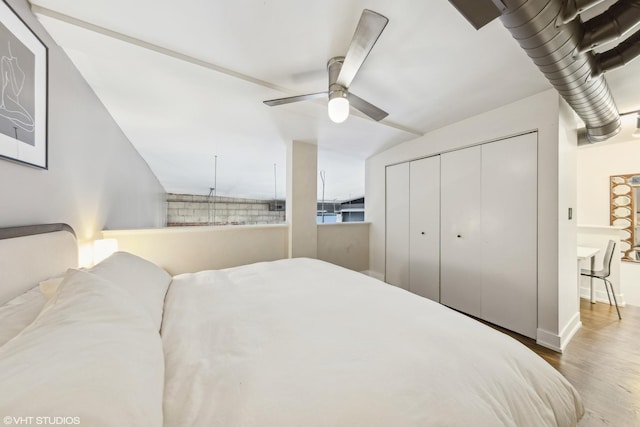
x=422, y=232
x=459, y=236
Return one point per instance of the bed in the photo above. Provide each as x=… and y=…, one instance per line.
x=296, y=342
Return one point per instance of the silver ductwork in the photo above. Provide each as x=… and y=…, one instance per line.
x=555, y=50
x=573, y=8
x=619, y=56
x=561, y=45
x=610, y=25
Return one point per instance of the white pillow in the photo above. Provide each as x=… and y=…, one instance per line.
x=18, y=313
x=92, y=353
x=49, y=287
x=144, y=280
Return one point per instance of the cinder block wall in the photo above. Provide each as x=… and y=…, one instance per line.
x=192, y=210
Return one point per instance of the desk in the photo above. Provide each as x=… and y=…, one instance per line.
x=585, y=252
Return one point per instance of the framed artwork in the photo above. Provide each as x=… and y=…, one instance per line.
x=23, y=101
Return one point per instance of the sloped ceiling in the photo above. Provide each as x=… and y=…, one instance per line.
x=186, y=80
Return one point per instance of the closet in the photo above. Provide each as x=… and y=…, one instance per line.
x=413, y=226
x=461, y=229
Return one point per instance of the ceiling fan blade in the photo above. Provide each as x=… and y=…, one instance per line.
x=290, y=99
x=367, y=32
x=369, y=109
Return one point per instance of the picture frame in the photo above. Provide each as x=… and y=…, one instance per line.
x=23, y=91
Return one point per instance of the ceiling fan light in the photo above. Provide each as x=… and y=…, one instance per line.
x=338, y=109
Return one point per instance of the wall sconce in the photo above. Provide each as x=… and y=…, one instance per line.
x=85, y=254
x=103, y=248
x=92, y=252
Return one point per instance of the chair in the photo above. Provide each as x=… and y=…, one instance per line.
x=604, y=273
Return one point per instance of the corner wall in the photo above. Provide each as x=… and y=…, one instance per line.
x=96, y=179
x=540, y=112
x=568, y=279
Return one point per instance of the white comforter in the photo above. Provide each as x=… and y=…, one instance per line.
x=304, y=343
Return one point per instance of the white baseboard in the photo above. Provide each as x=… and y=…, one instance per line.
x=601, y=296
x=559, y=342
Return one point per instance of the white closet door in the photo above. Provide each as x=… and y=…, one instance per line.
x=424, y=228
x=460, y=236
x=509, y=233
x=397, y=225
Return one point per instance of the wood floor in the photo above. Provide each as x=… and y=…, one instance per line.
x=602, y=362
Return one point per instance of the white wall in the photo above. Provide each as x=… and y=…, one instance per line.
x=301, y=206
x=596, y=164
x=541, y=112
x=568, y=304
x=188, y=249
x=96, y=178
x=345, y=244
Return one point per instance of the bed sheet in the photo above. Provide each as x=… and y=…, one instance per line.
x=302, y=342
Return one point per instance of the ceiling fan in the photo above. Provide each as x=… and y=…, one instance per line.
x=342, y=70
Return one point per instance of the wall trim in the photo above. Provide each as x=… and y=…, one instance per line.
x=559, y=343
x=548, y=340
x=462, y=147
x=345, y=224
x=29, y=230
x=189, y=229
x=601, y=296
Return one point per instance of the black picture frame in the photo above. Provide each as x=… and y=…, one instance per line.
x=23, y=91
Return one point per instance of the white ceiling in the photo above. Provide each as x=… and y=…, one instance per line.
x=186, y=80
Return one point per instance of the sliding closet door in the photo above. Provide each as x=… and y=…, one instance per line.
x=424, y=228
x=461, y=254
x=397, y=225
x=509, y=233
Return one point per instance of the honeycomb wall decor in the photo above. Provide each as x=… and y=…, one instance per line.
x=624, y=197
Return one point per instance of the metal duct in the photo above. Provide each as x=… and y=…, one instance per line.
x=619, y=56
x=554, y=49
x=611, y=25
x=573, y=8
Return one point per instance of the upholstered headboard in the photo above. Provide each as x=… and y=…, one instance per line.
x=30, y=254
